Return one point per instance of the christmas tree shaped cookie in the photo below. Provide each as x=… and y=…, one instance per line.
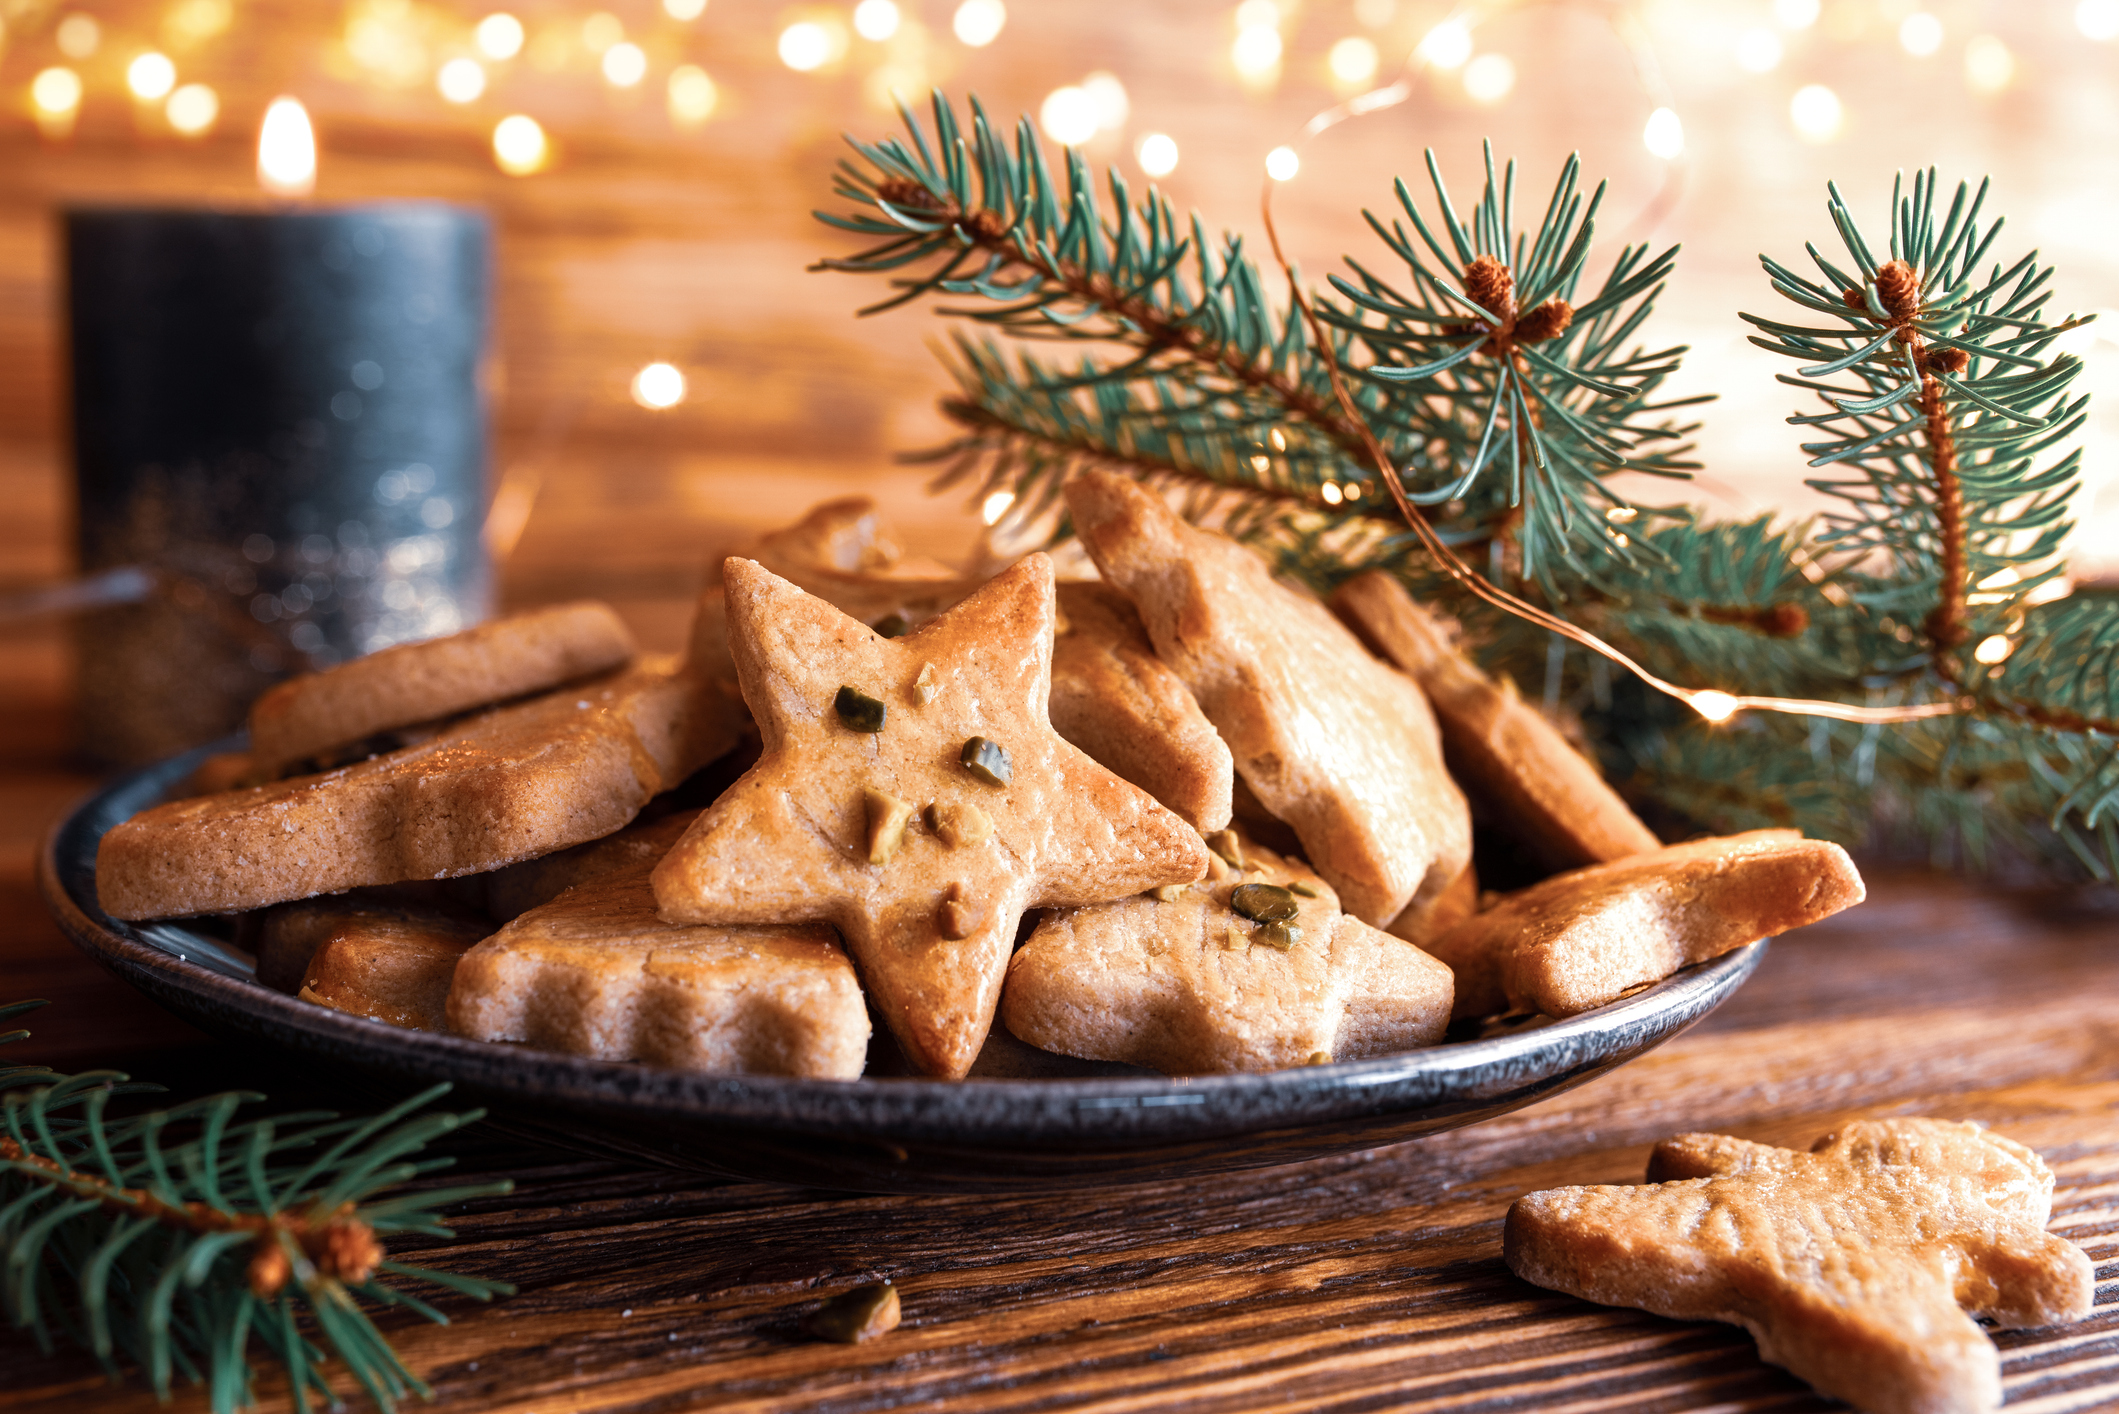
x=1853, y=1265
x=912, y=793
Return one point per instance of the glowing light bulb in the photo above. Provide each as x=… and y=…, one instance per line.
x=499, y=36
x=1256, y=52
x=875, y=20
x=1989, y=67
x=1796, y=14
x=461, y=80
x=658, y=386
x=804, y=46
x=151, y=76
x=1068, y=116
x=693, y=96
x=979, y=22
x=995, y=506
x=1758, y=51
x=1664, y=135
x=1993, y=650
x=1282, y=164
x=2098, y=19
x=56, y=91
x=78, y=36
x=520, y=146
x=1714, y=705
x=192, y=109
x=1157, y=154
x=600, y=31
x=684, y=9
x=1920, y=34
x=287, y=149
x=1447, y=45
x=1815, y=110
x=1352, y=61
x=1489, y=78
x=624, y=65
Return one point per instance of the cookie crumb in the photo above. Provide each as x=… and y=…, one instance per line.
x=858, y=1315
x=927, y=686
x=956, y=918
x=1227, y=846
x=959, y=824
x=1167, y=893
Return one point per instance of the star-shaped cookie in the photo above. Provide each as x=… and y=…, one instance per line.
x=912, y=792
x=1254, y=969
x=1854, y=1265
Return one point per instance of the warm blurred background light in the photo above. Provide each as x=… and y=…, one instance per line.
x=287, y=149
x=651, y=166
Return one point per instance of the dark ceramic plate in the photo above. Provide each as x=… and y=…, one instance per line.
x=1024, y=1121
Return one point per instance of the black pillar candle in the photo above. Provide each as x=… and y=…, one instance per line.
x=278, y=417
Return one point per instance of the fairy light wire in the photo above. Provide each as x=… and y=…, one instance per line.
x=1714, y=704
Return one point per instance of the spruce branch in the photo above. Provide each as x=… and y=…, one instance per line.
x=172, y=1239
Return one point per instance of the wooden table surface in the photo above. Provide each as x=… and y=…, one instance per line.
x=1368, y=1281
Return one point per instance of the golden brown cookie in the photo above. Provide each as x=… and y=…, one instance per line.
x=912, y=792
x=497, y=787
x=843, y=553
x=392, y=966
x=1113, y=698
x=596, y=973
x=1580, y=940
x=286, y=936
x=1334, y=742
x=1509, y=757
x=317, y=713
x=1429, y=918
x=511, y=892
x=1859, y=1265
x=1252, y=969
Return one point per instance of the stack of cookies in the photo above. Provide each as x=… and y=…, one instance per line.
x=1180, y=815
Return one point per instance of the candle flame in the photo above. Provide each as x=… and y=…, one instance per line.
x=287, y=149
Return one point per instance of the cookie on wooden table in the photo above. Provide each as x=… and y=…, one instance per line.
x=318, y=714
x=499, y=786
x=1582, y=939
x=912, y=792
x=844, y=553
x=1253, y=969
x=596, y=972
x=1508, y=756
x=392, y=966
x=1336, y=743
x=1113, y=698
x=1859, y=1265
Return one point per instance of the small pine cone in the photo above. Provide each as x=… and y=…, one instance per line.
x=987, y=225
x=1951, y=361
x=1898, y=289
x=1490, y=285
x=1855, y=299
x=903, y=191
x=1548, y=321
x=348, y=1251
x=268, y=1268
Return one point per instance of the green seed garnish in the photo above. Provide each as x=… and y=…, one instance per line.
x=1305, y=890
x=893, y=626
x=859, y=711
x=1277, y=935
x=988, y=760
x=1263, y=903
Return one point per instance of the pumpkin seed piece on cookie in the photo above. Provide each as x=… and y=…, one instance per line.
x=1858, y=1265
x=1582, y=939
x=596, y=972
x=1007, y=815
x=1113, y=698
x=1339, y=745
x=1254, y=969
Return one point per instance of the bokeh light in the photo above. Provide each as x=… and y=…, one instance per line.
x=461, y=80
x=1796, y=14
x=2098, y=19
x=1920, y=34
x=692, y=96
x=192, y=109
x=1068, y=116
x=499, y=36
x=287, y=149
x=624, y=65
x=1664, y=135
x=1157, y=154
x=684, y=10
x=78, y=36
x=1816, y=113
x=520, y=146
x=1989, y=67
x=600, y=31
x=979, y=22
x=1490, y=78
x=151, y=76
x=1282, y=164
x=1256, y=52
x=804, y=46
x=875, y=20
x=1758, y=51
x=1353, y=61
x=55, y=94
x=659, y=386
x=1447, y=45
x=1108, y=96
